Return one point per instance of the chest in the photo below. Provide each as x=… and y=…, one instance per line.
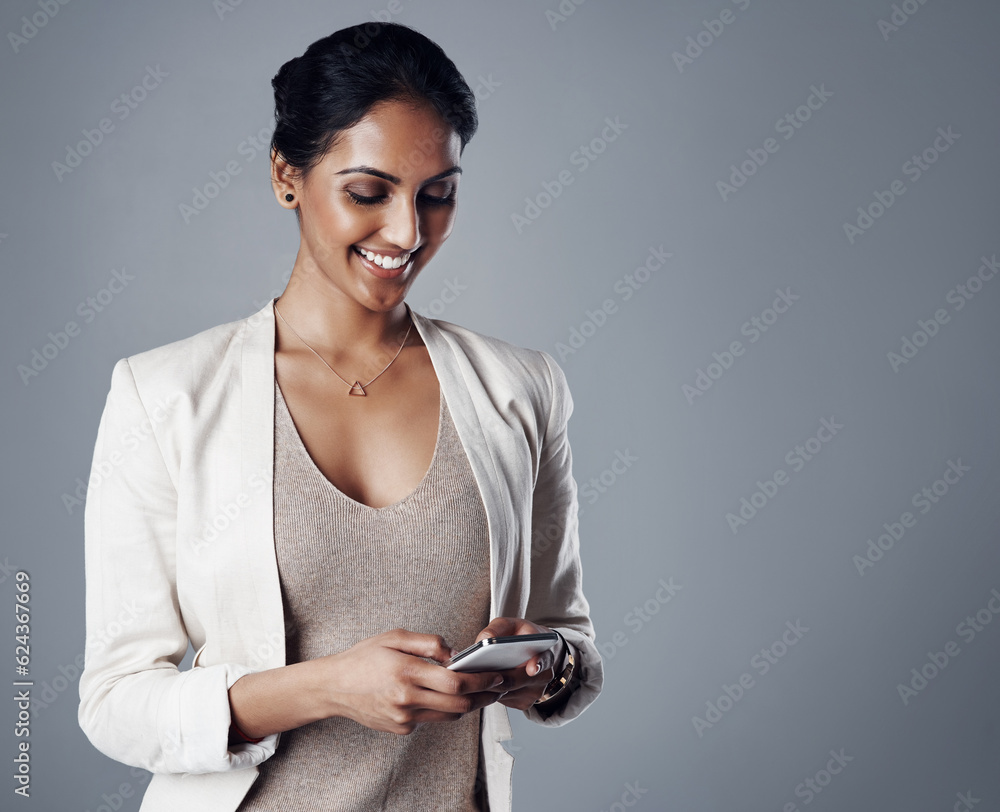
x=375, y=449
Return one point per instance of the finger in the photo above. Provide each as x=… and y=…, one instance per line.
x=431, y=646
x=540, y=662
x=520, y=700
x=433, y=706
x=515, y=679
x=498, y=627
x=509, y=677
x=446, y=681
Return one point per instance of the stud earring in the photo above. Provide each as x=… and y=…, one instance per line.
x=289, y=197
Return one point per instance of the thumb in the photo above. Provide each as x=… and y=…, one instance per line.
x=430, y=646
x=498, y=627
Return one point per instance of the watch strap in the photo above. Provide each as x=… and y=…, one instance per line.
x=560, y=680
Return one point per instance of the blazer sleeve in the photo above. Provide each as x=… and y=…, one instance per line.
x=556, y=596
x=136, y=706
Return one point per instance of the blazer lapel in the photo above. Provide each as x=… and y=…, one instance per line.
x=458, y=383
x=257, y=460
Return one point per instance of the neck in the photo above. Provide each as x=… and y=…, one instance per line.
x=339, y=327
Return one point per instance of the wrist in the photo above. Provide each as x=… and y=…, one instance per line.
x=263, y=703
x=319, y=681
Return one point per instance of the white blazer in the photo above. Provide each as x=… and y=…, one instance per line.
x=179, y=532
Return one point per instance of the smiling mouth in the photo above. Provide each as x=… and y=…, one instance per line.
x=386, y=262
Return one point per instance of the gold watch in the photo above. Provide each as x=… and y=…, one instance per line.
x=556, y=685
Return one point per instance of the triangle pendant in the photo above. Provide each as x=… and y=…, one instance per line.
x=358, y=390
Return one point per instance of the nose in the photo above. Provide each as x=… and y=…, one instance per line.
x=402, y=223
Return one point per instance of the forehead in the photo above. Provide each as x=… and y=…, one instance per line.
x=409, y=140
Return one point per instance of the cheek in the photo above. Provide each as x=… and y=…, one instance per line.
x=440, y=222
x=346, y=223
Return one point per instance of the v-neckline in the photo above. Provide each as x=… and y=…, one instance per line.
x=301, y=446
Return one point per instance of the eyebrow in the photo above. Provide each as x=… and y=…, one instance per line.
x=368, y=170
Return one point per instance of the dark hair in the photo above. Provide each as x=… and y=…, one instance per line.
x=339, y=78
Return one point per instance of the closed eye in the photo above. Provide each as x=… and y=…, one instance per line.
x=439, y=201
x=361, y=200
x=431, y=200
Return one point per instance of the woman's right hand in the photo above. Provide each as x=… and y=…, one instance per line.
x=382, y=682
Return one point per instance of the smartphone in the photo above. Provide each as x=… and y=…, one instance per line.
x=501, y=653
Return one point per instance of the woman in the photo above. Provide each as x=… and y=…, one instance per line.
x=337, y=493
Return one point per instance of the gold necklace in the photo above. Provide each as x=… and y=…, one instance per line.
x=356, y=388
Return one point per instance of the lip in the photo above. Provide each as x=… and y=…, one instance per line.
x=383, y=273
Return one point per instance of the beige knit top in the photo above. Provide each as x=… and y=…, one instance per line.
x=349, y=571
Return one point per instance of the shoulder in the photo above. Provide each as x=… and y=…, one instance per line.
x=188, y=364
x=199, y=346
x=531, y=372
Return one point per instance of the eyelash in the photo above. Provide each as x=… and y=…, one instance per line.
x=361, y=200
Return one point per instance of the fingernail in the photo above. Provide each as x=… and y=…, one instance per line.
x=453, y=651
x=538, y=667
x=496, y=682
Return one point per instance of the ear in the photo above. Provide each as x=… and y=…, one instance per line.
x=284, y=180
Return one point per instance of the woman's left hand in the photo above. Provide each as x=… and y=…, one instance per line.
x=524, y=685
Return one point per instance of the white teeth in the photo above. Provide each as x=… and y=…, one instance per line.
x=385, y=262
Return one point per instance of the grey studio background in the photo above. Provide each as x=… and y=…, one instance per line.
x=760, y=237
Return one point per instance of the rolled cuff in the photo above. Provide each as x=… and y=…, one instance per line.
x=185, y=726
x=583, y=686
